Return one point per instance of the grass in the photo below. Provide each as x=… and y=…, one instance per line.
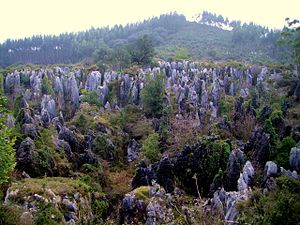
x=59, y=186
x=142, y=193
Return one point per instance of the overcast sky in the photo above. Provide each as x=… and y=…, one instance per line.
x=24, y=18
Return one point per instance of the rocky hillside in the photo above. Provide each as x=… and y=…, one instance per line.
x=179, y=143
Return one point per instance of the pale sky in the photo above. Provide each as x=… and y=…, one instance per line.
x=24, y=18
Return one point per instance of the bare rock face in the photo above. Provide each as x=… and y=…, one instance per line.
x=154, y=208
x=258, y=147
x=143, y=176
x=234, y=168
x=65, y=147
x=225, y=203
x=132, y=150
x=295, y=159
x=30, y=130
x=93, y=81
x=70, y=137
x=246, y=178
x=48, y=104
x=25, y=156
x=71, y=95
x=12, y=83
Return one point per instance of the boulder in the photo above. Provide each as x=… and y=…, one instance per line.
x=88, y=157
x=295, y=159
x=25, y=157
x=258, y=148
x=225, y=203
x=234, y=168
x=271, y=170
x=30, y=130
x=48, y=104
x=65, y=147
x=246, y=178
x=93, y=81
x=132, y=150
x=71, y=138
x=164, y=172
x=132, y=210
x=143, y=177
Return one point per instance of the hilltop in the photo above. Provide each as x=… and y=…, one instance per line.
x=210, y=37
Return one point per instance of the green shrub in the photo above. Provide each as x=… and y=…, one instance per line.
x=182, y=54
x=47, y=86
x=48, y=215
x=152, y=95
x=283, y=151
x=24, y=79
x=81, y=123
x=9, y=215
x=92, y=98
x=226, y=105
x=103, y=147
x=7, y=152
x=280, y=206
x=1, y=84
x=100, y=210
x=269, y=128
x=151, y=148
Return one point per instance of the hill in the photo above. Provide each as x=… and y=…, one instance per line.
x=209, y=37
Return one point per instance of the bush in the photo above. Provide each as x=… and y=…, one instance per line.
x=100, y=210
x=25, y=79
x=151, y=148
x=152, y=95
x=91, y=97
x=283, y=152
x=81, y=123
x=7, y=152
x=47, y=86
x=281, y=206
x=9, y=215
x=103, y=147
x=48, y=215
x=1, y=83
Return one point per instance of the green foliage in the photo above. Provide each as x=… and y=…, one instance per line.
x=226, y=105
x=24, y=79
x=182, y=54
x=280, y=206
x=282, y=153
x=152, y=95
x=218, y=157
x=269, y=128
x=142, y=50
x=290, y=36
x=103, y=146
x=91, y=97
x=245, y=42
x=81, y=123
x=1, y=84
x=48, y=215
x=17, y=106
x=47, y=86
x=100, y=210
x=9, y=215
x=142, y=193
x=132, y=120
x=151, y=148
x=165, y=122
x=7, y=151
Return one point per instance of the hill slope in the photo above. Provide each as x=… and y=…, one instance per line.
x=204, y=38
